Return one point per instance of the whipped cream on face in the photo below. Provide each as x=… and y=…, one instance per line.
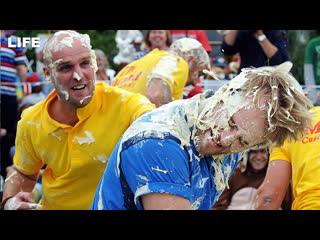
x=187, y=119
x=57, y=44
x=76, y=76
x=59, y=41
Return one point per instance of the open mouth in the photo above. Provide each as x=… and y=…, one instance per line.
x=79, y=87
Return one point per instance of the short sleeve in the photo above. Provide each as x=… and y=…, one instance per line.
x=137, y=105
x=280, y=153
x=25, y=158
x=174, y=71
x=20, y=57
x=156, y=166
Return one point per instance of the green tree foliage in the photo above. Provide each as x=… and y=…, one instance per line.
x=297, y=43
x=104, y=40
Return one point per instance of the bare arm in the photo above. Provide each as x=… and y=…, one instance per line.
x=270, y=194
x=158, y=92
x=268, y=48
x=164, y=201
x=19, y=186
x=22, y=72
x=230, y=38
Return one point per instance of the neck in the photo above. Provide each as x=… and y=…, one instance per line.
x=164, y=48
x=100, y=70
x=63, y=112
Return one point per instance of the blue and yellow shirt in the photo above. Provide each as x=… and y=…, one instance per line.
x=157, y=155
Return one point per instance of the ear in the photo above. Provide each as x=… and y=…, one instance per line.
x=189, y=60
x=47, y=74
x=46, y=71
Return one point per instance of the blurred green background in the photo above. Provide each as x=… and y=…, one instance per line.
x=105, y=40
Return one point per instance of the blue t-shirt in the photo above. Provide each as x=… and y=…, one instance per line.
x=150, y=162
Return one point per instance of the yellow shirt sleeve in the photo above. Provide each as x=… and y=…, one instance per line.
x=174, y=71
x=138, y=104
x=156, y=64
x=280, y=153
x=25, y=158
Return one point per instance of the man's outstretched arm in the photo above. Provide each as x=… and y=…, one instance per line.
x=270, y=194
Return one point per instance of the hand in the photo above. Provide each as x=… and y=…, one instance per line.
x=258, y=33
x=3, y=132
x=21, y=201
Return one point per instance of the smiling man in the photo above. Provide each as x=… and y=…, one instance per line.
x=72, y=132
x=181, y=155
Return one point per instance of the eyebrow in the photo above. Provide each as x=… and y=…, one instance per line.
x=70, y=62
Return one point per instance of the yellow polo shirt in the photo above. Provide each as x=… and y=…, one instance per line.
x=157, y=64
x=304, y=157
x=76, y=157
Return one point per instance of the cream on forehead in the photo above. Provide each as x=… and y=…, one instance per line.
x=64, y=42
x=68, y=40
x=231, y=101
x=231, y=98
x=64, y=39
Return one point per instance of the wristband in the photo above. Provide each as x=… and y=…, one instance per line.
x=261, y=37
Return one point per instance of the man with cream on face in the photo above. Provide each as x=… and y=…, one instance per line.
x=181, y=155
x=161, y=76
x=72, y=132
